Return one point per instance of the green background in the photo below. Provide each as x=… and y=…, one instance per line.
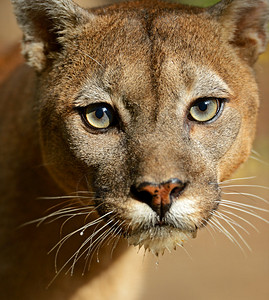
x=202, y=3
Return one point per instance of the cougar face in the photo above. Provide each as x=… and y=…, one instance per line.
x=145, y=106
x=148, y=127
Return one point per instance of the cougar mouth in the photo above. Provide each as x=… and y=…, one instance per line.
x=157, y=239
x=146, y=228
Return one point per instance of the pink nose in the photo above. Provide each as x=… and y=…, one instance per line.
x=159, y=196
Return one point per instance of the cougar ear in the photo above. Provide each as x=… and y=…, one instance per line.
x=245, y=25
x=44, y=25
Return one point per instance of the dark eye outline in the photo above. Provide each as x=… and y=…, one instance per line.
x=220, y=102
x=83, y=113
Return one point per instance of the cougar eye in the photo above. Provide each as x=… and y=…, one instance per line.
x=205, y=110
x=99, y=116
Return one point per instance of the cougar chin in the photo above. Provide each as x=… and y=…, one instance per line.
x=160, y=238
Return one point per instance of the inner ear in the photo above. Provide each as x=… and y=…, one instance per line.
x=44, y=31
x=244, y=23
x=44, y=25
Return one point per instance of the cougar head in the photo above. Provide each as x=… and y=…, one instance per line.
x=146, y=106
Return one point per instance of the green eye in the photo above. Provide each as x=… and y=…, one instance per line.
x=205, y=110
x=99, y=116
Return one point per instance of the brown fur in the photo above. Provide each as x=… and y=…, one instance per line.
x=149, y=60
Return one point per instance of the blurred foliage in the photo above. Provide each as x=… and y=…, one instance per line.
x=264, y=58
x=202, y=3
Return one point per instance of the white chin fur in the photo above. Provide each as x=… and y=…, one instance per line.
x=159, y=239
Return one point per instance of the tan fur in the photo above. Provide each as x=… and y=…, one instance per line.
x=150, y=61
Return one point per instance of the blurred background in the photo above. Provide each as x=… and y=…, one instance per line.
x=211, y=266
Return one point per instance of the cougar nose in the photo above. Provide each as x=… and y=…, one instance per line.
x=158, y=196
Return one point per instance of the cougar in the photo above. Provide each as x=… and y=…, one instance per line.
x=118, y=132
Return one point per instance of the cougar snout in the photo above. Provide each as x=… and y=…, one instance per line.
x=158, y=196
